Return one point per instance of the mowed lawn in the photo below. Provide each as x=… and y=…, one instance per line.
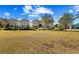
x=40, y=42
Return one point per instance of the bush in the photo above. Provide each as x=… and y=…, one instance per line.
x=7, y=28
x=14, y=29
x=0, y=28
x=61, y=29
x=57, y=29
x=24, y=29
x=42, y=28
x=32, y=28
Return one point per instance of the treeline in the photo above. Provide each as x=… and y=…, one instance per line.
x=46, y=22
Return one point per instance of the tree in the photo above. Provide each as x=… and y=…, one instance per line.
x=0, y=25
x=58, y=27
x=66, y=20
x=46, y=20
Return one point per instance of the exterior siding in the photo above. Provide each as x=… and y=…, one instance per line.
x=35, y=23
x=26, y=23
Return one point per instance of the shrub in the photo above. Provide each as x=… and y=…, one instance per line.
x=57, y=29
x=32, y=28
x=42, y=28
x=0, y=28
x=8, y=28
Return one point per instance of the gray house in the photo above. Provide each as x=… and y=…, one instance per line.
x=12, y=23
x=18, y=23
x=50, y=25
x=35, y=23
x=22, y=24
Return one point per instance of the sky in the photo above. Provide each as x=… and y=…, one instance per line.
x=36, y=11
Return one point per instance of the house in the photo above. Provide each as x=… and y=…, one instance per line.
x=22, y=23
x=30, y=23
x=49, y=26
x=18, y=24
x=35, y=23
x=12, y=23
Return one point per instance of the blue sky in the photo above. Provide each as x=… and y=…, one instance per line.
x=35, y=11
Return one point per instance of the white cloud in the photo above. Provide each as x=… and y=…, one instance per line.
x=27, y=8
x=38, y=10
x=15, y=9
x=32, y=15
x=76, y=8
x=19, y=19
x=43, y=10
x=34, y=12
x=70, y=11
x=35, y=16
x=6, y=14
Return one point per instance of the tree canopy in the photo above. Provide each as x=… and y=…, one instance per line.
x=47, y=19
x=66, y=20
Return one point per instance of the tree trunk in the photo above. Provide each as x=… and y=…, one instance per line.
x=70, y=27
x=65, y=27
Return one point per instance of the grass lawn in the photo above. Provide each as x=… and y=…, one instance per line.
x=39, y=42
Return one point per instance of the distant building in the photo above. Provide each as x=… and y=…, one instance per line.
x=22, y=23
x=35, y=23
x=18, y=24
x=30, y=23
x=12, y=23
x=50, y=25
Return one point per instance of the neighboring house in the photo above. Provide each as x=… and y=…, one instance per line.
x=50, y=25
x=18, y=24
x=30, y=23
x=22, y=24
x=35, y=23
x=12, y=23
x=47, y=26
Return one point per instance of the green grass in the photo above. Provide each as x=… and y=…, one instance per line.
x=39, y=42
